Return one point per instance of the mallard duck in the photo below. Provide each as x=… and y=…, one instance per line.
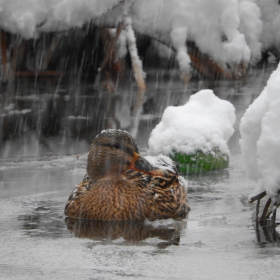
x=120, y=184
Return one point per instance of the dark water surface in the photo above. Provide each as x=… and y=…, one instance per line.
x=44, y=156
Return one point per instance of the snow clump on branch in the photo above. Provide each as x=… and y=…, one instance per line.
x=227, y=30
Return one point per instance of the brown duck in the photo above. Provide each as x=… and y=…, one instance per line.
x=121, y=185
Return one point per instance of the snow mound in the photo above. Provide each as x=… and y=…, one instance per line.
x=260, y=132
x=205, y=123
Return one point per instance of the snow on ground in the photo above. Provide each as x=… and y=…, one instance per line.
x=270, y=11
x=229, y=31
x=204, y=123
x=260, y=132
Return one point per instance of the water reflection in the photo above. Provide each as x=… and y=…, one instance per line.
x=74, y=111
x=132, y=231
x=209, y=178
x=46, y=220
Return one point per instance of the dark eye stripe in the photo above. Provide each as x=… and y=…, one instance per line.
x=129, y=151
x=125, y=149
x=107, y=145
x=117, y=146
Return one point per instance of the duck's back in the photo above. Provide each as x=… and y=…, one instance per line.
x=169, y=190
x=121, y=200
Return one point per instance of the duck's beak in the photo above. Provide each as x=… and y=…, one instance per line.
x=141, y=164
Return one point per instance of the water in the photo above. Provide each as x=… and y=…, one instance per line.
x=217, y=241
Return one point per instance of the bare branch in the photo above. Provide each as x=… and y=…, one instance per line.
x=112, y=46
x=257, y=197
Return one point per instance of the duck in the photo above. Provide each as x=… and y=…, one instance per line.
x=120, y=184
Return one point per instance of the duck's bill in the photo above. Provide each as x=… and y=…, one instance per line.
x=141, y=164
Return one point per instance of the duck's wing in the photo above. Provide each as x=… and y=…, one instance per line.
x=110, y=199
x=75, y=199
x=170, y=171
x=137, y=178
x=170, y=198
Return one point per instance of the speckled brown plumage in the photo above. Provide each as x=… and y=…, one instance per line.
x=169, y=197
x=121, y=185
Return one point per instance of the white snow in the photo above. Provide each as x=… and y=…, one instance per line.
x=121, y=43
x=179, y=38
x=270, y=10
x=204, y=123
x=252, y=26
x=228, y=30
x=260, y=132
x=131, y=40
x=166, y=163
x=183, y=182
x=162, y=162
x=29, y=17
x=206, y=23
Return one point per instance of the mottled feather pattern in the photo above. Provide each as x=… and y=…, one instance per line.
x=121, y=185
x=169, y=197
x=140, y=197
x=109, y=200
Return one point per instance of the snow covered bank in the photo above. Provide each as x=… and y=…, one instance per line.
x=202, y=125
x=260, y=132
x=30, y=17
x=228, y=31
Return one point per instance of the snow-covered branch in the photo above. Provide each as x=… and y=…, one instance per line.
x=131, y=41
x=229, y=32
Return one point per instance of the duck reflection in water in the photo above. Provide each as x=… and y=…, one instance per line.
x=131, y=231
x=121, y=185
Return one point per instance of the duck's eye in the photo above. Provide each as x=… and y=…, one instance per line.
x=117, y=146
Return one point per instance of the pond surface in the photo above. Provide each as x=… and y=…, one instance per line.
x=217, y=241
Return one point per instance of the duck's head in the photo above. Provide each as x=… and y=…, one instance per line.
x=113, y=152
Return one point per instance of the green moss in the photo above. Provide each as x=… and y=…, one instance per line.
x=200, y=162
